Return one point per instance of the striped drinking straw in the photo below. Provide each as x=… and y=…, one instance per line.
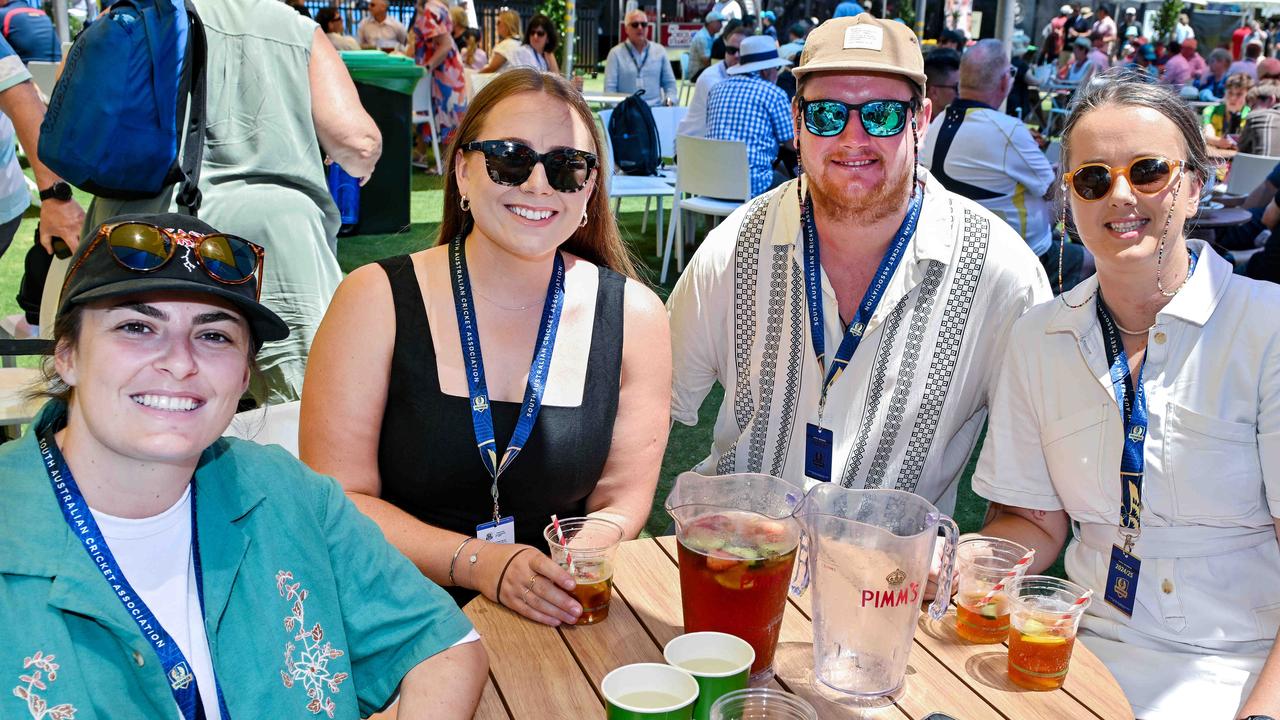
x=1013, y=572
x=555, y=522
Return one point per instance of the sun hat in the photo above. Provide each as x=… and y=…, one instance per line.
x=1064, y=10
x=1148, y=52
x=757, y=52
x=768, y=15
x=848, y=9
x=1086, y=11
x=95, y=275
x=714, y=16
x=863, y=43
x=1131, y=10
x=1083, y=42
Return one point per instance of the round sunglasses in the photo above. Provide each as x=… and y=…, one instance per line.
x=1146, y=175
x=145, y=248
x=880, y=118
x=511, y=163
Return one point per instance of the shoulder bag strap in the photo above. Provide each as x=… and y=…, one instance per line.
x=189, y=197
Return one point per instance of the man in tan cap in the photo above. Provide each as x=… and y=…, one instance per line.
x=855, y=316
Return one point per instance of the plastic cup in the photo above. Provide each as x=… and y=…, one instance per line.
x=1044, y=618
x=720, y=662
x=649, y=691
x=981, y=564
x=586, y=551
x=762, y=704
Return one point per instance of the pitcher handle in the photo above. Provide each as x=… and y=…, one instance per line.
x=946, y=574
x=800, y=576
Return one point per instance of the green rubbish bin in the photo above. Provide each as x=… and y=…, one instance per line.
x=385, y=84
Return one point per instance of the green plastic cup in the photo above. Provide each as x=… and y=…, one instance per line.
x=720, y=662
x=649, y=691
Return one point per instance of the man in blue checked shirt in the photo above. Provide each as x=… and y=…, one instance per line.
x=750, y=108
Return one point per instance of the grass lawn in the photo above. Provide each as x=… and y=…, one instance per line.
x=686, y=447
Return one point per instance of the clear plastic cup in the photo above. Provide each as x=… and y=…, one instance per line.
x=981, y=565
x=586, y=550
x=1044, y=620
x=762, y=704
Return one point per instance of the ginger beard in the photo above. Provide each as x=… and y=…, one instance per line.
x=845, y=204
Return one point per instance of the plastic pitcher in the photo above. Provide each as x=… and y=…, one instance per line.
x=737, y=549
x=867, y=555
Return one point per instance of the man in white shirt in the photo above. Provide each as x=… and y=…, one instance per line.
x=378, y=31
x=990, y=157
x=695, y=120
x=636, y=63
x=907, y=408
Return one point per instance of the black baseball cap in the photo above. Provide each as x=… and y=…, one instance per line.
x=98, y=275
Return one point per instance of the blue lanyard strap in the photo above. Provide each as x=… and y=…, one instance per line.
x=641, y=61
x=1131, y=397
x=870, y=299
x=469, y=335
x=182, y=681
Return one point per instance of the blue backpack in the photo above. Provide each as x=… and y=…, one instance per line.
x=115, y=121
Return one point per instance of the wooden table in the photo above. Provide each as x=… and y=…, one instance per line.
x=543, y=673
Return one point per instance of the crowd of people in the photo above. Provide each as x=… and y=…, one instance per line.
x=1127, y=378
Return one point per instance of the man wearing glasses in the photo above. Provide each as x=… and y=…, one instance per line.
x=856, y=316
x=638, y=64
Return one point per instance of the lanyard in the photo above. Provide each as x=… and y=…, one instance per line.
x=1132, y=399
x=870, y=299
x=1131, y=396
x=182, y=682
x=469, y=334
x=644, y=59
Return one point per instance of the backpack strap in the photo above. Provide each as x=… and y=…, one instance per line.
x=8, y=17
x=193, y=84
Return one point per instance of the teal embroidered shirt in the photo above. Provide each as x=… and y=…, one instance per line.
x=309, y=611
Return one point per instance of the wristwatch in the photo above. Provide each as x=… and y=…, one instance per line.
x=57, y=191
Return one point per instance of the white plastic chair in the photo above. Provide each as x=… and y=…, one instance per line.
x=717, y=180
x=269, y=425
x=44, y=74
x=620, y=186
x=686, y=85
x=1248, y=171
x=424, y=113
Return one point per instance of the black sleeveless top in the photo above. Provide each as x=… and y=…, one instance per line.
x=427, y=454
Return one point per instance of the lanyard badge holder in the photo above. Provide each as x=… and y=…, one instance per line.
x=75, y=511
x=502, y=529
x=820, y=441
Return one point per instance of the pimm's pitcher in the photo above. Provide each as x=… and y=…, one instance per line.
x=737, y=547
x=868, y=555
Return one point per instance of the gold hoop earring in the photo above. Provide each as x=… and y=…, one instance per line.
x=465, y=204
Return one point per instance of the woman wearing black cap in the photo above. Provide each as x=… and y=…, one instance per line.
x=118, y=597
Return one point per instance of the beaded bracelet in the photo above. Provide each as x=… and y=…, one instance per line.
x=497, y=592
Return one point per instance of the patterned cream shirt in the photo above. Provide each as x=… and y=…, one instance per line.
x=907, y=411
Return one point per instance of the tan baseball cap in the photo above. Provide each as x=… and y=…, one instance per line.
x=865, y=43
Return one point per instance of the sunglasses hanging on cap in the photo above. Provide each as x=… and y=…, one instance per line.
x=880, y=118
x=511, y=163
x=144, y=248
x=1146, y=175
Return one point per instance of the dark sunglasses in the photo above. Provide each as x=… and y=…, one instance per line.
x=880, y=118
x=539, y=32
x=638, y=24
x=730, y=50
x=144, y=248
x=1146, y=175
x=511, y=163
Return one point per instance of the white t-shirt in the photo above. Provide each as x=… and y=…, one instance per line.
x=728, y=9
x=695, y=120
x=155, y=555
x=992, y=159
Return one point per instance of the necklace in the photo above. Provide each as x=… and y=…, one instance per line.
x=500, y=305
x=1127, y=331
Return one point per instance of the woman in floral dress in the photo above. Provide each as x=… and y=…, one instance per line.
x=434, y=49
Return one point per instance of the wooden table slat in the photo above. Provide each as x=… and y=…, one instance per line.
x=491, y=703
x=537, y=675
